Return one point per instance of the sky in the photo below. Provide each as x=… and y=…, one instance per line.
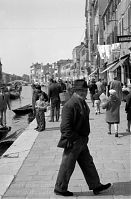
x=42, y=31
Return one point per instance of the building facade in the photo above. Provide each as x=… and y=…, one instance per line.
x=117, y=23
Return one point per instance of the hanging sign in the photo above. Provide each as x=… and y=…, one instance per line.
x=124, y=38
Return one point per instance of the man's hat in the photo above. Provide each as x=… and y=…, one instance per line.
x=80, y=84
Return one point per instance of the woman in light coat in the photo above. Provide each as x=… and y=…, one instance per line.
x=112, y=106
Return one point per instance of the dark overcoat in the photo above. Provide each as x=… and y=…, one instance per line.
x=128, y=106
x=75, y=121
x=112, y=106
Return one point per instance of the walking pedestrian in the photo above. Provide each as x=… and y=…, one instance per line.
x=100, y=87
x=92, y=88
x=4, y=103
x=75, y=129
x=116, y=85
x=96, y=98
x=112, y=106
x=53, y=93
x=128, y=109
x=41, y=106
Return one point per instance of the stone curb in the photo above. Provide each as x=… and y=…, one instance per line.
x=12, y=160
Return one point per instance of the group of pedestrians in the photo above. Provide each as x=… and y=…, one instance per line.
x=112, y=101
x=41, y=100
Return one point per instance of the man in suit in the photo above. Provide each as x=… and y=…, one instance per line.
x=4, y=103
x=75, y=129
x=54, y=99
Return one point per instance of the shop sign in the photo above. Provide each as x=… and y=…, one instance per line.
x=124, y=38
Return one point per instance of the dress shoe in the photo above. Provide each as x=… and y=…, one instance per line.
x=66, y=193
x=102, y=187
x=39, y=130
x=116, y=134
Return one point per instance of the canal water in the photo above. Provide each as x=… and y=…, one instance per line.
x=17, y=123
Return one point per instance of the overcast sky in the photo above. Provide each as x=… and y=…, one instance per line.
x=41, y=31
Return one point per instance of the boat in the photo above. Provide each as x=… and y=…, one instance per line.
x=23, y=110
x=14, y=94
x=14, y=90
x=4, y=131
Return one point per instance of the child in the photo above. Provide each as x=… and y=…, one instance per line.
x=96, y=98
x=112, y=106
x=128, y=108
x=41, y=106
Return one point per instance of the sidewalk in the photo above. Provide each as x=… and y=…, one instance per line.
x=41, y=159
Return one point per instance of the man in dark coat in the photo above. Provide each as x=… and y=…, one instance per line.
x=4, y=103
x=128, y=108
x=92, y=88
x=53, y=93
x=75, y=129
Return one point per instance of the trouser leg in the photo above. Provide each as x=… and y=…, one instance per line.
x=52, y=112
x=67, y=165
x=1, y=118
x=88, y=168
x=128, y=125
x=109, y=127
x=37, y=118
x=116, y=127
x=4, y=118
x=95, y=106
x=57, y=115
x=66, y=169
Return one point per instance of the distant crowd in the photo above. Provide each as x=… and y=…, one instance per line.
x=59, y=92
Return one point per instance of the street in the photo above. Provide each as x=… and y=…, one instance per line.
x=111, y=155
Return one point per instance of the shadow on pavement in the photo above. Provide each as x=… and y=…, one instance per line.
x=52, y=128
x=122, y=188
x=118, y=188
x=124, y=134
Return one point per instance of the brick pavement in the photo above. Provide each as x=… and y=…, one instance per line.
x=111, y=155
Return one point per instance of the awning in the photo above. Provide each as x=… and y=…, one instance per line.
x=120, y=63
x=114, y=66
x=93, y=72
x=108, y=68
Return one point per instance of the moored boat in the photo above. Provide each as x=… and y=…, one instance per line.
x=4, y=131
x=23, y=110
x=14, y=94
